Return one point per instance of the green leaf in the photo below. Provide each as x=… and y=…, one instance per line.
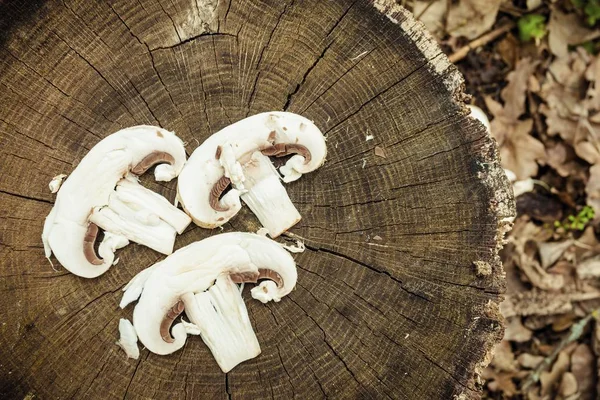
x=592, y=10
x=532, y=26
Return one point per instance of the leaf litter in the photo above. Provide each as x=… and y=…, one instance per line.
x=532, y=67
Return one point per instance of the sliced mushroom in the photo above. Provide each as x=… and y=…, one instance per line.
x=236, y=156
x=201, y=278
x=102, y=193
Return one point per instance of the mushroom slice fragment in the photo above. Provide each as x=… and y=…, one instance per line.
x=237, y=156
x=128, y=339
x=201, y=279
x=102, y=193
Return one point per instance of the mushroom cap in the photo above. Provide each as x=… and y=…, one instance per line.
x=91, y=184
x=203, y=169
x=193, y=269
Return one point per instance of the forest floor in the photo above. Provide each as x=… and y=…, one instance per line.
x=532, y=67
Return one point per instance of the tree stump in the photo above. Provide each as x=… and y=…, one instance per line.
x=399, y=286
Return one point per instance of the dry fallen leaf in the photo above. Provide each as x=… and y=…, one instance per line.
x=592, y=74
x=592, y=189
x=563, y=322
x=504, y=359
x=541, y=302
x=562, y=126
x=567, y=29
x=568, y=385
x=472, y=18
x=562, y=158
x=533, y=4
x=550, y=379
x=583, y=367
x=564, y=84
x=519, y=151
x=431, y=14
x=508, y=48
x=529, y=361
x=536, y=322
x=516, y=332
x=501, y=382
x=538, y=276
x=589, y=269
x=596, y=339
x=550, y=252
x=514, y=93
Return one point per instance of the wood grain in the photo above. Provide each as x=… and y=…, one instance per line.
x=388, y=303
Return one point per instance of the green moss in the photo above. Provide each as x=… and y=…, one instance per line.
x=577, y=222
x=532, y=26
x=590, y=8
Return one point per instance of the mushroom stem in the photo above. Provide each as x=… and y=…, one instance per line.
x=266, y=196
x=119, y=219
x=222, y=317
x=141, y=216
x=138, y=197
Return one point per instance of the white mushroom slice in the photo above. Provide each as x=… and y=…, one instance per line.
x=181, y=282
x=266, y=196
x=55, y=183
x=101, y=192
x=224, y=323
x=128, y=339
x=228, y=159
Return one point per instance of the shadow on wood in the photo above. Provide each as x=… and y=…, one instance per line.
x=399, y=287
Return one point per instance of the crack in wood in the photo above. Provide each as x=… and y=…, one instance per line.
x=334, y=352
x=262, y=52
x=118, y=95
x=44, y=79
x=375, y=375
x=170, y=18
x=192, y=39
x=318, y=59
x=133, y=375
x=286, y=371
x=381, y=93
x=149, y=52
x=25, y=197
x=310, y=354
x=227, y=385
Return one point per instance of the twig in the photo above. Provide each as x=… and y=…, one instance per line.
x=425, y=9
x=515, y=12
x=446, y=14
x=542, y=184
x=574, y=334
x=480, y=41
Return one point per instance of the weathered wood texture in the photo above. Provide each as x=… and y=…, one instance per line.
x=389, y=302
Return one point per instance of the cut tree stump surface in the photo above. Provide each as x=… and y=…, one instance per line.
x=395, y=297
